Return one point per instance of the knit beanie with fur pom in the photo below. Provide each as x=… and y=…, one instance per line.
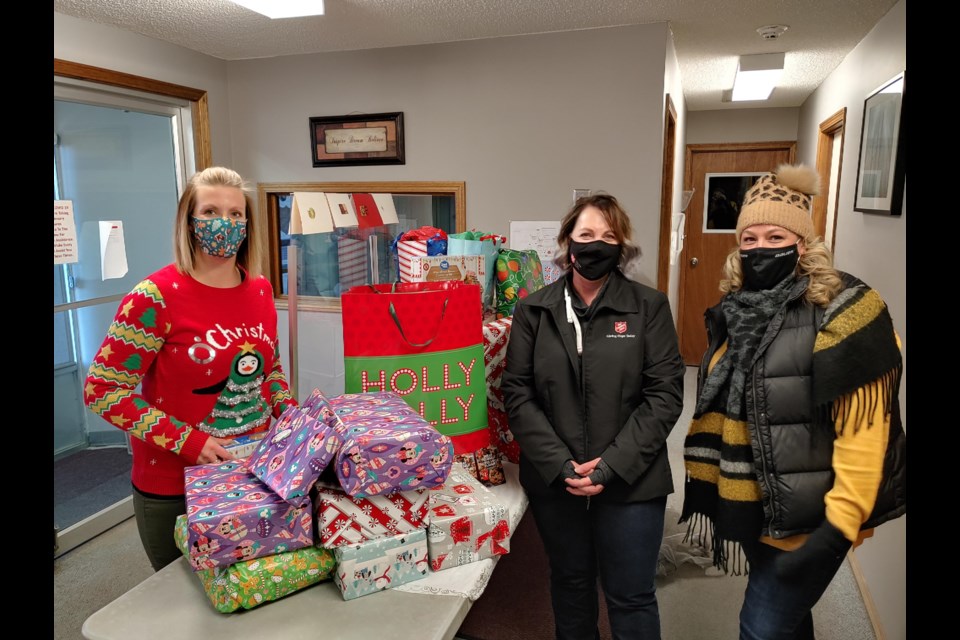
x=783, y=198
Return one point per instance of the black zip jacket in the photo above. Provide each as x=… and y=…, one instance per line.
x=618, y=401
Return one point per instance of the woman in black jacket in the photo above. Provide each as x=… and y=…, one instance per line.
x=796, y=449
x=593, y=385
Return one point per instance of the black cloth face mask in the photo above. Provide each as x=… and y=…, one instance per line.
x=594, y=260
x=766, y=267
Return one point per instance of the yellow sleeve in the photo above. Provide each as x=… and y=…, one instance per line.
x=858, y=454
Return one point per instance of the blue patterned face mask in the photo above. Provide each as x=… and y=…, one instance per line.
x=219, y=237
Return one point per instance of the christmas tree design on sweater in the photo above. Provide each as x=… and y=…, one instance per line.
x=240, y=406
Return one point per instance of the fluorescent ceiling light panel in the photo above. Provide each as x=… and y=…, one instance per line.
x=283, y=8
x=757, y=75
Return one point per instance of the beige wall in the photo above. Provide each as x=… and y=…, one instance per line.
x=742, y=125
x=523, y=120
x=872, y=247
x=674, y=87
x=99, y=45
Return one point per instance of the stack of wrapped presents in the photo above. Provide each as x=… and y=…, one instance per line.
x=357, y=488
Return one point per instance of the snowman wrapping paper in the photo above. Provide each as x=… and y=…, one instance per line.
x=467, y=522
x=232, y=516
x=380, y=564
x=254, y=582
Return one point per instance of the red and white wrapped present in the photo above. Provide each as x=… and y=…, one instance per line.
x=407, y=250
x=343, y=520
x=352, y=259
x=496, y=335
x=467, y=522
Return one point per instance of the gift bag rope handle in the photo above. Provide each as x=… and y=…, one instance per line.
x=396, y=319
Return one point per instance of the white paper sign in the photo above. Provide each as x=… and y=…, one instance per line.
x=388, y=210
x=310, y=213
x=113, y=252
x=342, y=209
x=356, y=140
x=540, y=235
x=64, y=233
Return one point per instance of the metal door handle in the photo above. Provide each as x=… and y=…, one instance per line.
x=694, y=262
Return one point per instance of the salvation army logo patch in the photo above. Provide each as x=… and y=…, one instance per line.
x=620, y=327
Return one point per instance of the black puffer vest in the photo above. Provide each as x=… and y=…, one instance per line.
x=792, y=452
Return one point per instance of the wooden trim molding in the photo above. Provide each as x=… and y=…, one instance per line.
x=828, y=130
x=868, y=603
x=666, y=195
x=203, y=156
x=790, y=145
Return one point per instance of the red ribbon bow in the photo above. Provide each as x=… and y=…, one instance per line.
x=499, y=533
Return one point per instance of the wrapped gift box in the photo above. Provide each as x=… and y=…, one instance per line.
x=294, y=452
x=243, y=445
x=318, y=407
x=352, y=260
x=467, y=269
x=380, y=564
x=232, y=516
x=407, y=250
x=343, y=520
x=467, y=522
x=387, y=446
x=251, y=583
x=489, y=466
x=496, y=335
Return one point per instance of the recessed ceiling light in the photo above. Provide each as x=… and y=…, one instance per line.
x=283, y=8
x=757, y=75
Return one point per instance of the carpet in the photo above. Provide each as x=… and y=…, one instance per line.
x=88, y=481
x=516, y=603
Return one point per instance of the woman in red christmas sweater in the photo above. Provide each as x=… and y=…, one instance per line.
x=199, y=337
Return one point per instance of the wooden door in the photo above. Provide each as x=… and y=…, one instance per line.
x=716, y=172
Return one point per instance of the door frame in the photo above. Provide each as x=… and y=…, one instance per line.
x=666, y=195
x=75, y=535
x=202, y=151
x=829, y=129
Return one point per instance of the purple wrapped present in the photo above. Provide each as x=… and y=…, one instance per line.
x=293, y=454
x=387, y=446
x=232, y=516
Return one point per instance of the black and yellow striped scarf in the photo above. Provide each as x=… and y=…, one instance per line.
x=722, y=497
x=855, y=345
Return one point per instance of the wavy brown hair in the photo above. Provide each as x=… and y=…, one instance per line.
x=614, y=215
x=815, y=263
x=250, y=255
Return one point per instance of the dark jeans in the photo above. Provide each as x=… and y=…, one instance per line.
x=775, y=608
x=621, y=542
x=156, y=519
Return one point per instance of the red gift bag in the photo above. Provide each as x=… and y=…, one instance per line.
x=423, y=341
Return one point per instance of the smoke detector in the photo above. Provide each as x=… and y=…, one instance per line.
x=772, y=32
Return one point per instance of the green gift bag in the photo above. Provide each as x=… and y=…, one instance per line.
x=519, y=273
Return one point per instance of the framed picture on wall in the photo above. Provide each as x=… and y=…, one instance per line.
x=370, y=138
x=722, y=196
x=882, y=170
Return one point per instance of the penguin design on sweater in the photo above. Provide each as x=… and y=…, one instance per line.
x=240, y=406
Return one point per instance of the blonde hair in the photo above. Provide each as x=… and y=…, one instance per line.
x=250, y=255
x=816, y=263
x=613, y=214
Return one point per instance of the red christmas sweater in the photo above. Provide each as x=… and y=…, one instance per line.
x=203, y=357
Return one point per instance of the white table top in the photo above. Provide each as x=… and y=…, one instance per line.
x=172, y=604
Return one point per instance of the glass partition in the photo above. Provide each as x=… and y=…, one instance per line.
x=329, y=263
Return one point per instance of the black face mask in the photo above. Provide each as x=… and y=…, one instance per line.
x=594, y=260
x=765, y=268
